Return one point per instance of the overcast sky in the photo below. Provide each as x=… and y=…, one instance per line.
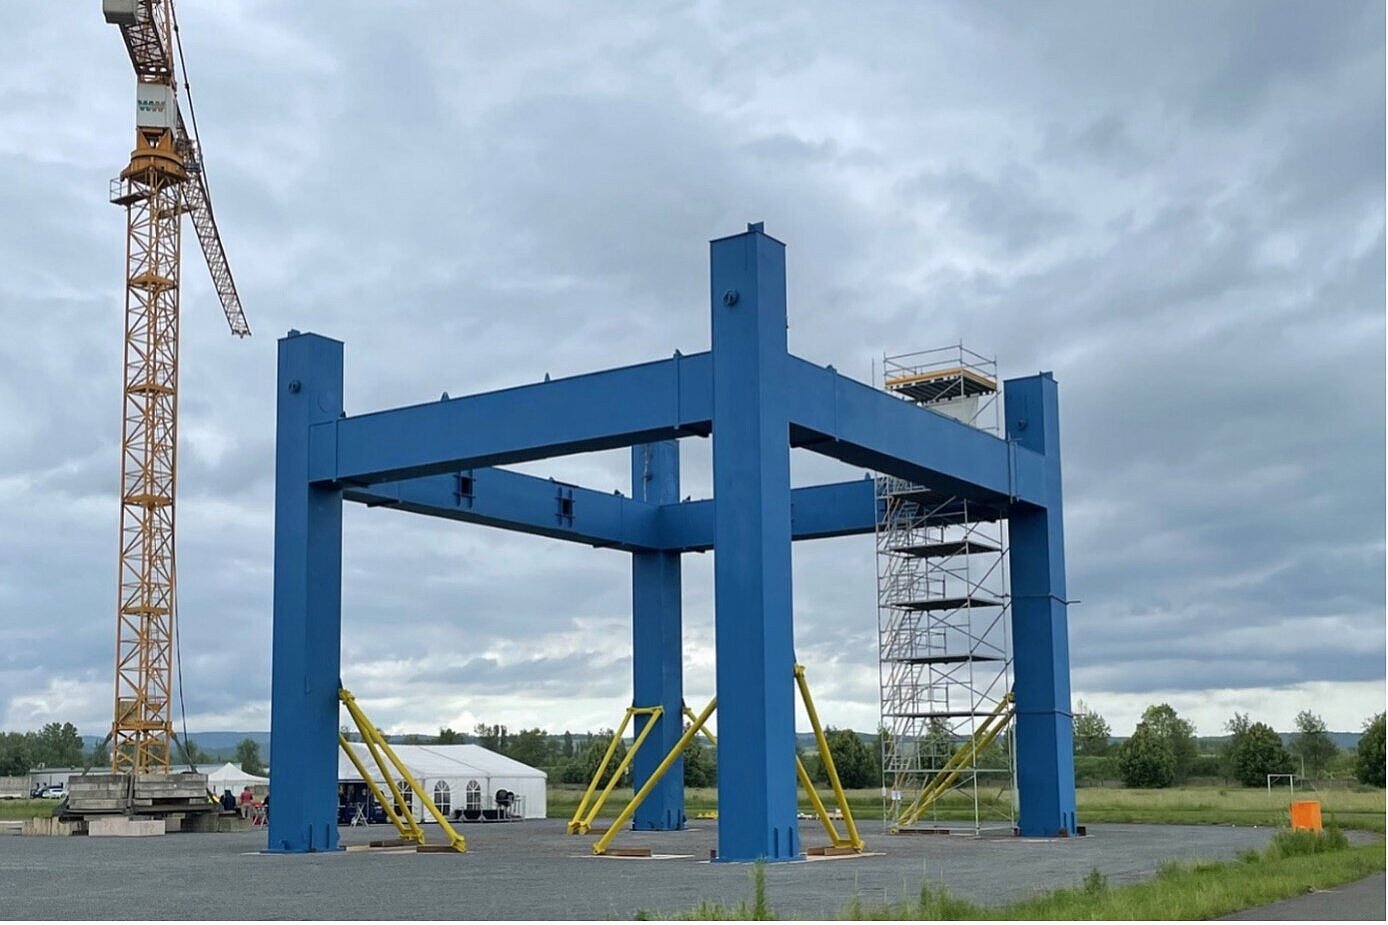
x=1176, y=207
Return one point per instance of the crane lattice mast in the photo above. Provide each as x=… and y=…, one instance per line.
x=163, y=180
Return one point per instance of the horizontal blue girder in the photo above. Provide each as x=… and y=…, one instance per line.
x=816, y=512
x=524, y=503
x=580, y=414
x=527, y=504
x=830, y=414
x=842, y=418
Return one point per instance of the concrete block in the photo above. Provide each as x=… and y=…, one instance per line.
x=121, y=827
x=51, y=826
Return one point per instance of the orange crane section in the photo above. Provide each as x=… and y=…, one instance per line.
x=163, y=180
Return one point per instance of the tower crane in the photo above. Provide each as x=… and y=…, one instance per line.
x=163, y=181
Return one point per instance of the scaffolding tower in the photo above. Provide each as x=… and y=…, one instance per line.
x=945, y=661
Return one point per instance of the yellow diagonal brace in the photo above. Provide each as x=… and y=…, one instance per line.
x=947, y=774
x=371, y=784
x=630, y=809
x=993, y=725
x=712, y=739
x=833, y=773
x=582, y=809
x=655, y=713
x=455, y=841
x=368, y=737
x=817, y=804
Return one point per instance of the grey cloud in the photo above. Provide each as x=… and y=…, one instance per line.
x=1006, y=210
x=1177, y=208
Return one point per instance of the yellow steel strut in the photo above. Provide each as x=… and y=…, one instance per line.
x=407, y=825
x=413, y=832
x=853, y=840
x=584, y=815
x=373, y=736
x=993, y=724
x=630, y=809
x=699, y=724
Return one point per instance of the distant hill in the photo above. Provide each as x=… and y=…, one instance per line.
x=220, y=746
x=1345, y=741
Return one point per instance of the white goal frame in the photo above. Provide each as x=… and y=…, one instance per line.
x=1289, y=778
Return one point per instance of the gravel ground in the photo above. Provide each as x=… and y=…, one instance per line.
x=532, y=870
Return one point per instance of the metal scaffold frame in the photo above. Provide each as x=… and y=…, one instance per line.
x=943, y=650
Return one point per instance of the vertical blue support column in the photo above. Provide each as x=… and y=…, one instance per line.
x=656, y=652
x=308, y=605
x=752, y=583
x=1040, y=639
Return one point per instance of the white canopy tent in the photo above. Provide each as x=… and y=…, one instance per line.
x=462, y=780
x=230, y=777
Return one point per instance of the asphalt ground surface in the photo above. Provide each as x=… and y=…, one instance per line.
x=532, y=870
x=1361, y=901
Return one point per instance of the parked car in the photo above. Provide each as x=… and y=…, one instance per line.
x=53, y=792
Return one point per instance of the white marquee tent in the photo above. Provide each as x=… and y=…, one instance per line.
x=230, y=777
x=460, y=779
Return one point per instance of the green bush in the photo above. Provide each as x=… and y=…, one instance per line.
x=1369, y=759
x=1256, y=753
x=853, y=760
x=1206, y=766
x=1179, y=735
x=1293, y=843
x=1095, y=769
x=1146, y=760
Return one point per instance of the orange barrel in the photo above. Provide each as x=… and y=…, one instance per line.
x=1306, y=814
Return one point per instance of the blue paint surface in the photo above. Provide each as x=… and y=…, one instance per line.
x=757, y=401
x=751, y=568
x=657, y=667
x=307, y=629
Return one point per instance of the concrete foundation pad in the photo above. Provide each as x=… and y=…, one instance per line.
x=121, y=827
x=50, y=825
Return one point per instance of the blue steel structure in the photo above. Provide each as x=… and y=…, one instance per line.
x=757, y=402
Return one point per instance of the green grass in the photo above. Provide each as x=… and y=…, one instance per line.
x=1293, y=864
x=755, y=909
x=1345, y=808
x=26, y=809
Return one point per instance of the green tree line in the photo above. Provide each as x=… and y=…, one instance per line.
x=56, y=745
x=1163, y=750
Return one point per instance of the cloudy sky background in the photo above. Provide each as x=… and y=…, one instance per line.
x=1177, y=208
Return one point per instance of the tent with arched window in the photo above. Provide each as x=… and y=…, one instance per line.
x=464, y=781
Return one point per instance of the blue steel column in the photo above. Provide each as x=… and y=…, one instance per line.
x=752, y=537
x=1040, y=639
x=308, y=605
x=657, y=665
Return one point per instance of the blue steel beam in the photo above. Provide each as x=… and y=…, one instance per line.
x=527, y=504
x=657, y=663
x=307, y=626
x=816, y=512
x=580, y=414
x=842, y=418
x=1040, y=634
x=752, y=618
x=523, y=503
